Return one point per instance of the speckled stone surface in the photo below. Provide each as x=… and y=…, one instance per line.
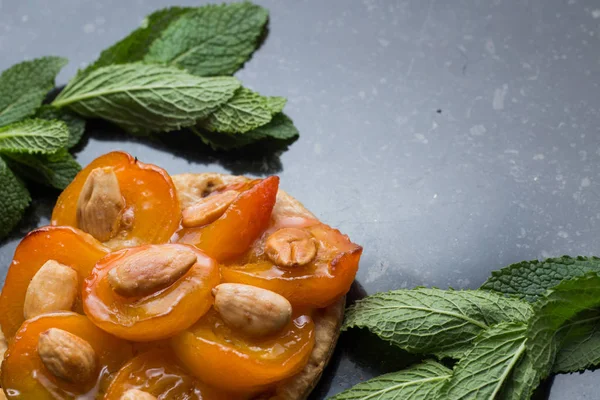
x=449, y=138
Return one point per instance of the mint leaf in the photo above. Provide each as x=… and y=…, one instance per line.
x=281, y=127
x=245, y=111
x=484, y=369
x=211, y=40
x=75, y=124
x=276, y=104
x=581, y=344
x=56, y=170
x=551, y=312
x=146, y=98
x=420, y=382
x=135, y=46
x=33, y=136
x=530, y=279
x=24, y=86
x=14, y=199
x=434, y=321
x=522, y=382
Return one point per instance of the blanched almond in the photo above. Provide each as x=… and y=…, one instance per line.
x=53, y=288
x=67, y=356
x=134, y=394
x=252, y=310
x=208, y=209
x=100, y=204
x=291, y=247
x=150, y=270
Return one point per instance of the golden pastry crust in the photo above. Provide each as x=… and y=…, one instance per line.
x=190, y=189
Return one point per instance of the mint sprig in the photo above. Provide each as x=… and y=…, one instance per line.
x=145, y=98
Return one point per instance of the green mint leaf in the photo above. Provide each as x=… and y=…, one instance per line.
x=420, y=382
x=135, y=46
x=14, y=199
x=484, y=369
x=281, y=127
x=581, y=344
x=530, y=279
x=75, y=124
x=522, y=382
x=33, y=136
x=434, y=321
x=146, y=98
x=276, y=104
x=56, y=170
x=245, y=111
x=211, y=40
x=24, y=86
x=552, y=311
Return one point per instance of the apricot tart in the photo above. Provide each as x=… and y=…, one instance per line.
x=196, y=286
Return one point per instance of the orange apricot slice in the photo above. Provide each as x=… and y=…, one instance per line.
x=128, y=295
x=121, y=201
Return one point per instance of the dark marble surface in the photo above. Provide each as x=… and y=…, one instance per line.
x=449, y=138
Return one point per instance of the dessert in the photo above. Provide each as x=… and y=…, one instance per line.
x=196, y=286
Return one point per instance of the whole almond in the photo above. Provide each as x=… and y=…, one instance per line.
x=53, y=288
x=291, y=247
x=67, y=356
x=134, y=394
x=100, y=204
x=208, y=209
x=150, y=270
x=252, y=310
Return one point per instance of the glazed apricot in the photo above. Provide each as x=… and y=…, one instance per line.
x=144, y=209
x=65, y=245
x=151, y=307
x=225, y=358
x=241, y=224
x=159, y=373
x=26, y=374
x=327, y=275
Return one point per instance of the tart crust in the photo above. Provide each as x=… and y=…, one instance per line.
x=190, y=189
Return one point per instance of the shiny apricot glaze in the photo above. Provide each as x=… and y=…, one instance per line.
x=244, y=221
x=149, y=195
x=154, y=316
x=159, y=373
x=317, y=284
x=24, y=376
x=224, y=358
x=63, y=244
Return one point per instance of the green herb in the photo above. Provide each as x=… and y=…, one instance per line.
x=281, y=127
x=14, y=199
x=581, y=344
x=33, y=136
x=56, y=170
x=210, y=40
x=245, y=111
x=146, y=98
x=531, y=279
x=434, y=321
x=75, y=124
x=513, y=346
x=135, y=46
x=24, y=86
x=420, y=382
x=276, y=104
x=485, y=368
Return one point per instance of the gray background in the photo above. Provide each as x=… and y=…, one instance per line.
x=449, y=138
